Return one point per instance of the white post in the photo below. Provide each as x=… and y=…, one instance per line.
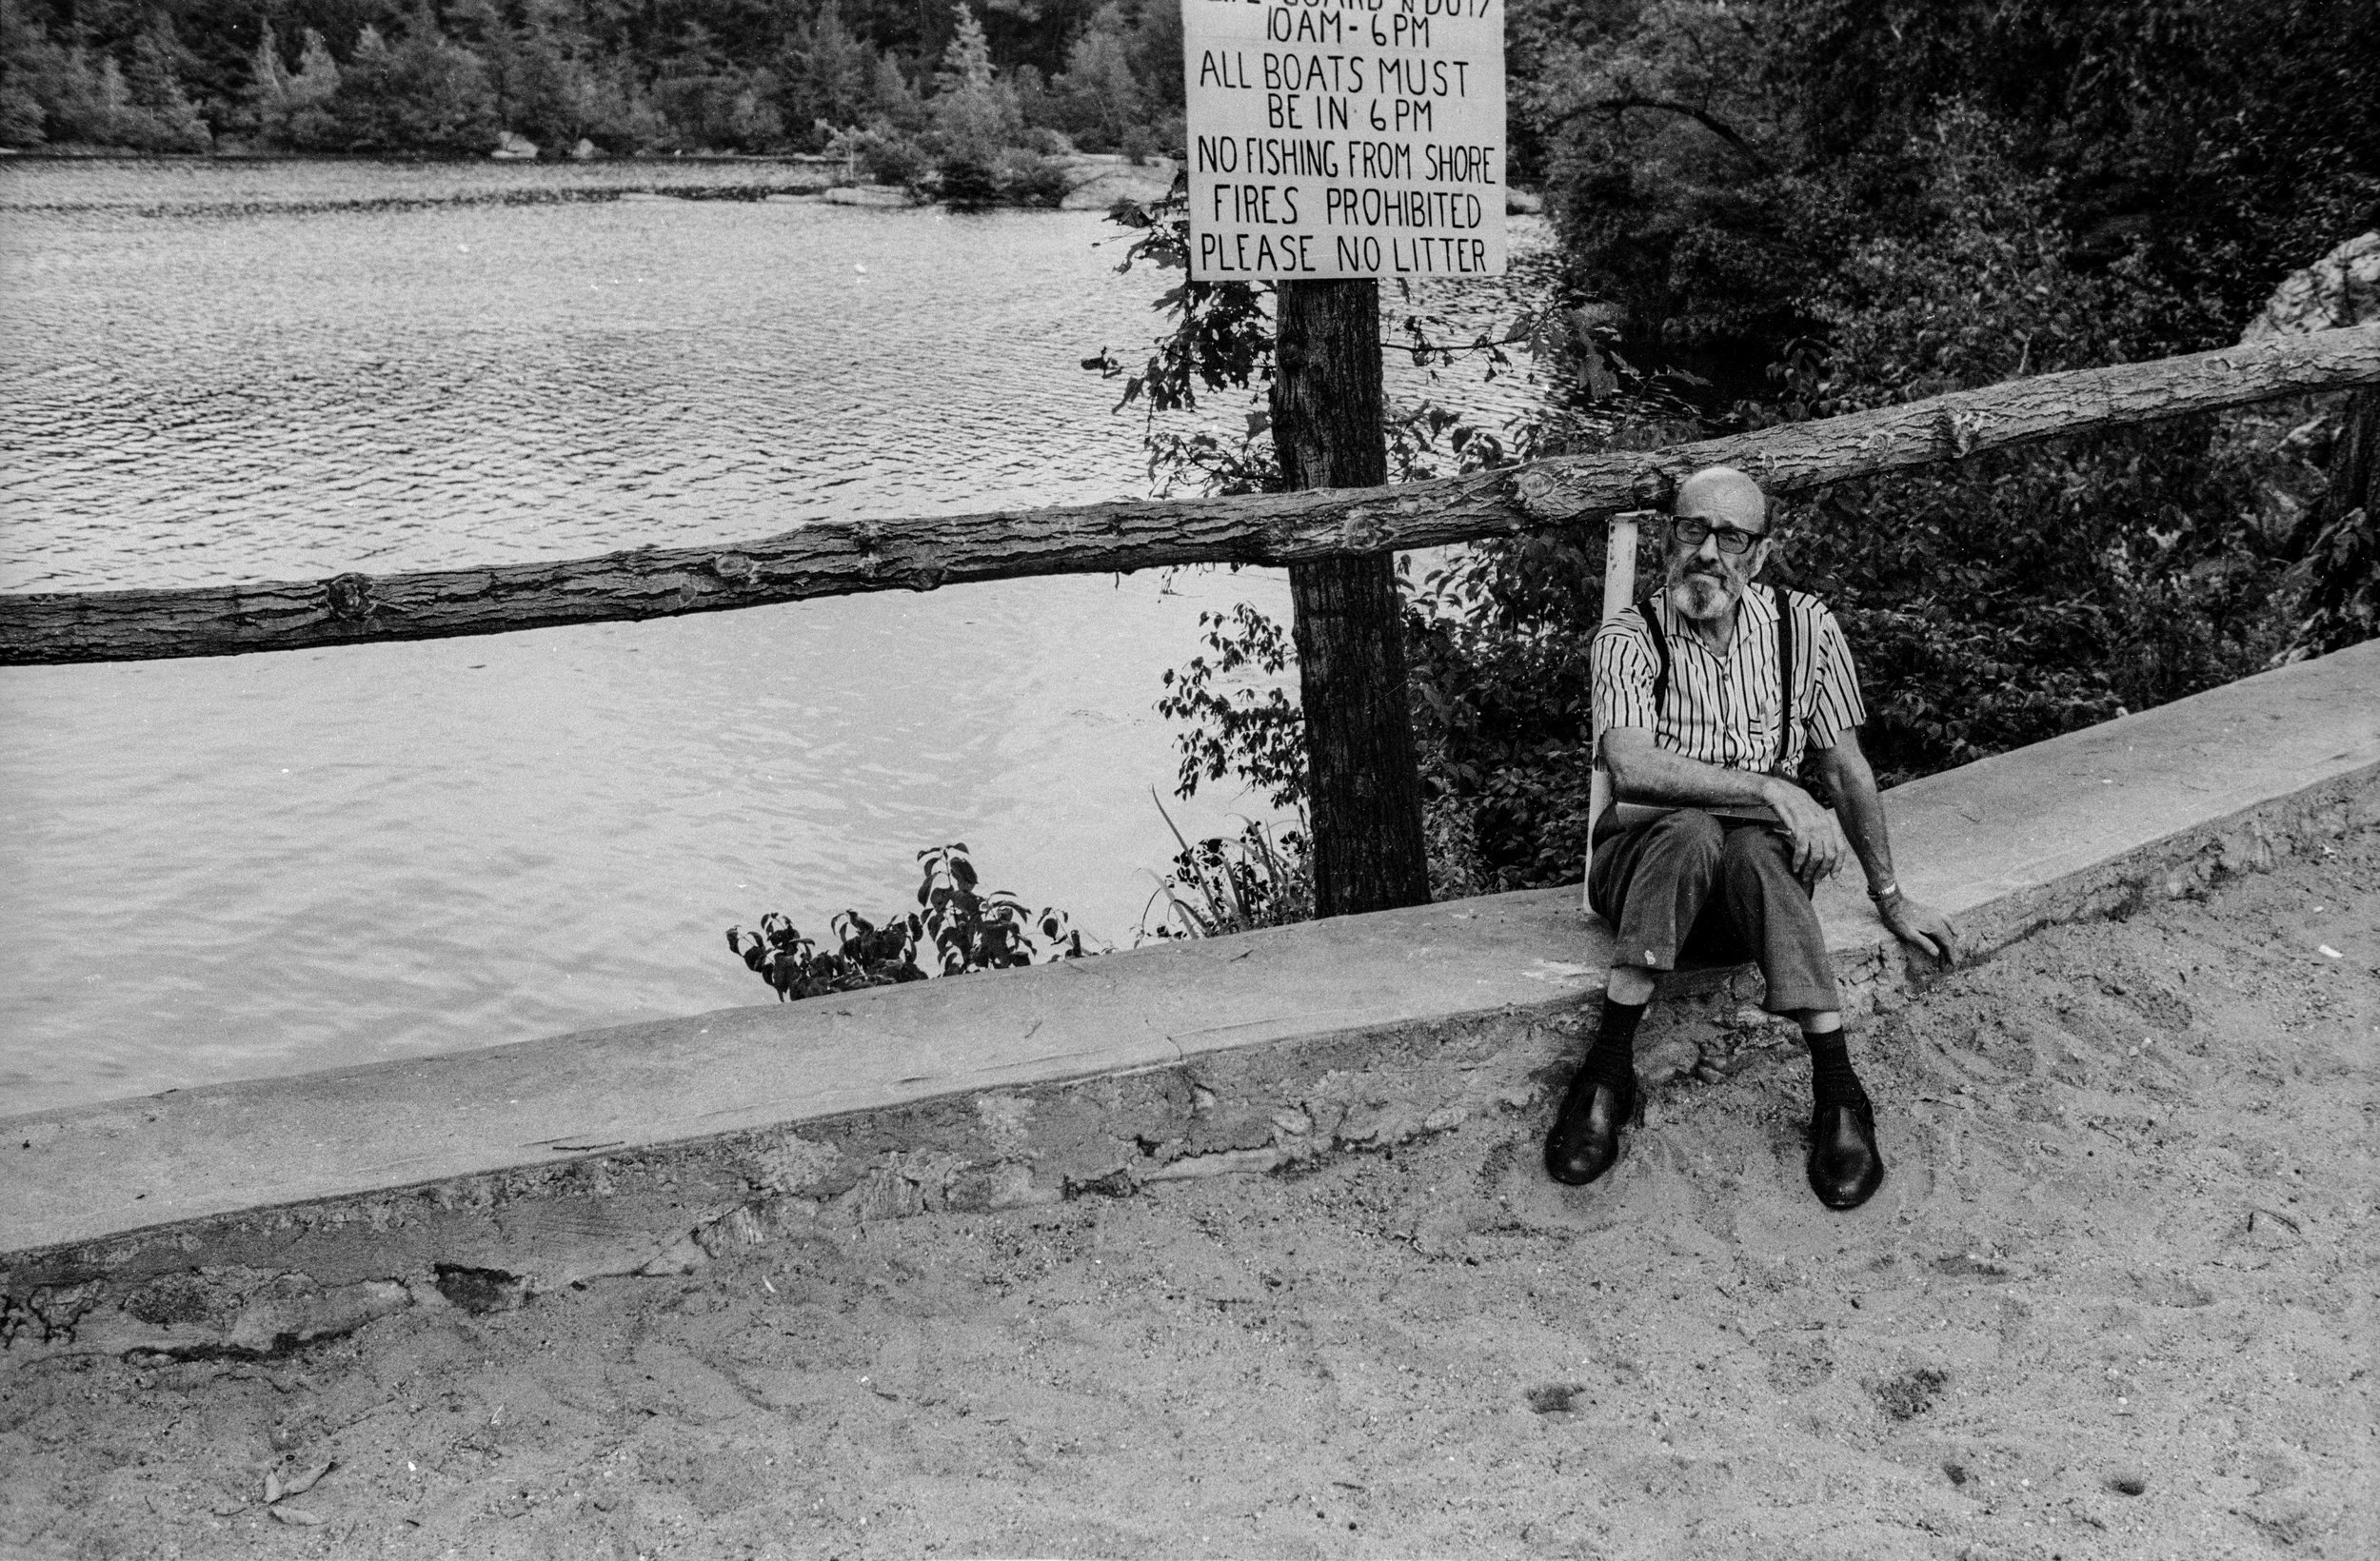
x=1619, y=588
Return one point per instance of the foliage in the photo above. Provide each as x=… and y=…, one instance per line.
x=67, y=92
x=956, y=929
x=1253, y=734
x=2343, y=601
x=884, y=156
x=1755, y=230
x=1713, y=161
x=693, y=75
x=1227, y=884
x=423, y=93
x=293, y=109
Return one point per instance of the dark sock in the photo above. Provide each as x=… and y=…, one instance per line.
x=1832, y=1080
x=1613, y=1058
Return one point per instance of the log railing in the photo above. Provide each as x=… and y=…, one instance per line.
x=839, y=558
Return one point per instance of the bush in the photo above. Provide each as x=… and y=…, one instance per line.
x=1223, y=885
x=420, y=94
x=884, y=156
x=1027, y=178
x=955, y=930
x=966, y=181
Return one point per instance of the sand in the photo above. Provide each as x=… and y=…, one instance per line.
x=2115, y=1299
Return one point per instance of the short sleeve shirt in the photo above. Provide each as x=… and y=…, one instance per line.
x=1723, y=709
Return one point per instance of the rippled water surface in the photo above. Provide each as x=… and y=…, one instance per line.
x=224, y=868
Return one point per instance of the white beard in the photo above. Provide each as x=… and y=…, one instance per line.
x=1700, y=596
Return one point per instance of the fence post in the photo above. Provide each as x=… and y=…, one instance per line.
x=1619, y=588
x=1362, y=786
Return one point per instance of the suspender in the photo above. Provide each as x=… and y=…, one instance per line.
x=1784, y=664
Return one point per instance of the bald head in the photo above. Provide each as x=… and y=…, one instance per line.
x=1723, y=496
x=1718, y=539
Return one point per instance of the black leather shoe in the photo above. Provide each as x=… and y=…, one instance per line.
x=1586, y=1141
x=1845, y=1167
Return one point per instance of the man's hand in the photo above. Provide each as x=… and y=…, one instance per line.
x=1818, y=844
x=1919, y=926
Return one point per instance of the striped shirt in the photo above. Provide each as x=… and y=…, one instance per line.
x=1722, y=709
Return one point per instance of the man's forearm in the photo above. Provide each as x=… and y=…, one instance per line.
x=1860, y=807
x=1657, y=776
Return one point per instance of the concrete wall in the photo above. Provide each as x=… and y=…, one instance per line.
x=251, y=1218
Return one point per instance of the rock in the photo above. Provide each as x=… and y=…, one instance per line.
x=587, y=151
x=1098, y=183
x=1522, y=203
x=876, y=195
x=514, y=148
x=2341, y=288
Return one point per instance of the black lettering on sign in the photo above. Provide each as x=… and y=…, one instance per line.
x=1220, y=69
x=1459, y=165
x=1346, y=206
x=1390, y=160
x=1261, y=205
x=1274, y=156
x=1289, y=72
x=1282, y=26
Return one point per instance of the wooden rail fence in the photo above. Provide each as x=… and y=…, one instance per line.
x=842, y=557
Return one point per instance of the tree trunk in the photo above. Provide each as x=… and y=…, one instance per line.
x=1364, y=792
x=2355, y=458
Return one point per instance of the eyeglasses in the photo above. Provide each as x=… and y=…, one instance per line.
x=1689, y=530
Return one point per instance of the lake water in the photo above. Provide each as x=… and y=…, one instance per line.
x=226, y=868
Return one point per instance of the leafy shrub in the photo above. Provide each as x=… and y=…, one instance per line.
x=967, y=181
x=1228, y=728
x=2342, y=592
x=423, y=93
x=1027, y=178
x=884, y=156
x=955, y=929
x=1223, y=885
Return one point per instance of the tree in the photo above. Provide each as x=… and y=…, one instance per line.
x=166, y=120
x=825, y=73
x=294, y=110
x=974, y=114
x=1101, y=97
x=894, y=102
x=422, y=94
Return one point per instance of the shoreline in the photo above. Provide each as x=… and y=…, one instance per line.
x=1095, y=181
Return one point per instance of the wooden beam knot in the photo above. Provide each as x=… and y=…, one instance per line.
x=1543, y=494
x=348, y=598
x=1360, y=532
x=736, y=569
x=1957, y=429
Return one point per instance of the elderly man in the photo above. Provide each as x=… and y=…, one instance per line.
x=1708, y=696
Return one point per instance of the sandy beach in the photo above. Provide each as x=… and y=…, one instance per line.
x=2115, y=1299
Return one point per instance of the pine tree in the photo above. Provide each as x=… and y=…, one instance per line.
x=968, y=61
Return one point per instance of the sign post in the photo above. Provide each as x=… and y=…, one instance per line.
x=1333, y=143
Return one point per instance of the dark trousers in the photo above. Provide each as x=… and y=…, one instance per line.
x=1718, y=893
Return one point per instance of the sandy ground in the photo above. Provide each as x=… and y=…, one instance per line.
x=2117, y=1299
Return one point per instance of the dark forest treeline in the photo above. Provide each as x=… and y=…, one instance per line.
x=904, y=80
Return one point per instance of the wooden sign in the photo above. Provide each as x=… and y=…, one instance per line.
x=1344, y=138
